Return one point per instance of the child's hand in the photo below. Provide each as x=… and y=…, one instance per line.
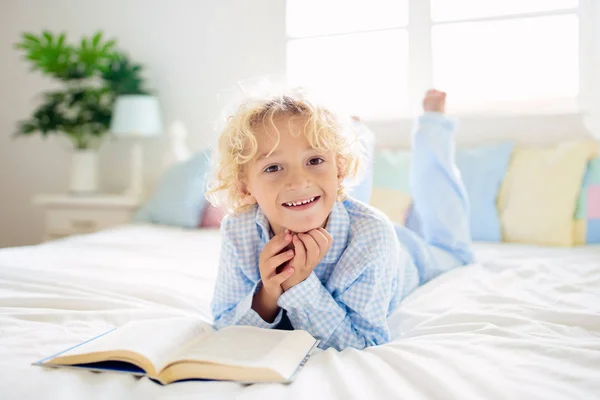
x=270, y=258
x=434, y=101
x=310, y=249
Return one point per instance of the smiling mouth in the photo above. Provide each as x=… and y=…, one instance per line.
x=302, y=203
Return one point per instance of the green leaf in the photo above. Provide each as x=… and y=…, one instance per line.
x=96, y=39
x=82, y=110
x=47, y=54
x=26, y=128
x=30, y=37
x=124, y=77
x=94, y=56
x=48, y=37
x=108, y=46
x=61, y=40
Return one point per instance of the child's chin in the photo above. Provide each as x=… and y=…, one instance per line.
x=303, y=228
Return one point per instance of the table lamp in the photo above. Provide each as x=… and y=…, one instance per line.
x=136, y=117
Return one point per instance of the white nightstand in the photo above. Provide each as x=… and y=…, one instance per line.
x=67, y=215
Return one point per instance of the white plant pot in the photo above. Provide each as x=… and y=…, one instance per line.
x=84, y=172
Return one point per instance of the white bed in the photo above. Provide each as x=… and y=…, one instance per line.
x=523, y=323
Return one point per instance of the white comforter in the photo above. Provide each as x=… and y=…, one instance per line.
x=524, y=323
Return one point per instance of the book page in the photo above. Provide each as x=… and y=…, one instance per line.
x=155, y=339
x=244, y=346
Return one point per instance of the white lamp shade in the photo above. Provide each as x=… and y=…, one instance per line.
x=136, y=116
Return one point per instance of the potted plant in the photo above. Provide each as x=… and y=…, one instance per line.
x=93, y=74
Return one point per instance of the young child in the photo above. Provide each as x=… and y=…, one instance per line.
x=297, y=253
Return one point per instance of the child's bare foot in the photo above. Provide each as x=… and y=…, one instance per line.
x=434, y=101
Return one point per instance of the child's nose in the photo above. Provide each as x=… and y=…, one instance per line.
x=297, y=179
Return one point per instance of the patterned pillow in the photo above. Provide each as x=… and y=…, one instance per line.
x=482, y=168
x=587, y=212
x=391, y=184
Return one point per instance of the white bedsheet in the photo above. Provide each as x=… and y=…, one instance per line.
x=524, y=323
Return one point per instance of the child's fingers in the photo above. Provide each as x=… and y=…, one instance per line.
x=312, y=248
x=276, y=244
x=275, y=261
x=321, y=240
x=300, y=250
x=327, y=235
x=283, y=276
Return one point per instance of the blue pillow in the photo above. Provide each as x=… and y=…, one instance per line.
x=482, y=169
x=178, y=199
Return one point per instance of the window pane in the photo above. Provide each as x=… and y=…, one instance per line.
x=324, y=17
x=362, y=73
x=446, y=10
x=486, y=65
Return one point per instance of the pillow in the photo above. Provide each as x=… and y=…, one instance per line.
x=178, y=199
x=538, y=196
x=587, y=213
x=391, y=184
x=392, y=203
x=211, y=216
x=483, y=169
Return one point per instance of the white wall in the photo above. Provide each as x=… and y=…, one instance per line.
x=192, y=49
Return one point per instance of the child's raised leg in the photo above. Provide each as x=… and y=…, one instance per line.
x=439, y=197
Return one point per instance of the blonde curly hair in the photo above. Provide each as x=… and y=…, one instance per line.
x=324, y=129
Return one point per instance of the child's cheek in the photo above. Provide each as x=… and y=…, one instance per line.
x=273, y=179
x=320, y=170
x=324, y=171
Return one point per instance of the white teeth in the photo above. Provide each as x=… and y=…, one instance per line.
x=299, y=203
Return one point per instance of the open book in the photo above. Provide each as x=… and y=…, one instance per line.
x=181, y=348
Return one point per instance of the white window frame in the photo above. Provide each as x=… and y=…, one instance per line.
x=420, y=58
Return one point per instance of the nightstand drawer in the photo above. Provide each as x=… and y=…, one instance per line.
x=71, y=221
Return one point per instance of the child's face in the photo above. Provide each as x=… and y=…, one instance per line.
x=293, y=173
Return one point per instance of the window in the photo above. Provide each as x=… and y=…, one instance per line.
x=376, y=58
x=353, y=53
x=445, y=10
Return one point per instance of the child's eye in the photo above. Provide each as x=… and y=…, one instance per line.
x=272, y=168
x=316, y=161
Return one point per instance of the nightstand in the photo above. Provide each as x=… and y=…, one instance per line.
x=66, y=215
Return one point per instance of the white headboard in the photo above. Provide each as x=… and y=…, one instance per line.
x=528, y=130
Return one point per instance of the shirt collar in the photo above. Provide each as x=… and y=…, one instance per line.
x=338, y=226
x=262, y=225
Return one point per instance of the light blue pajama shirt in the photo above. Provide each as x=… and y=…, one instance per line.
x=372, y=264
